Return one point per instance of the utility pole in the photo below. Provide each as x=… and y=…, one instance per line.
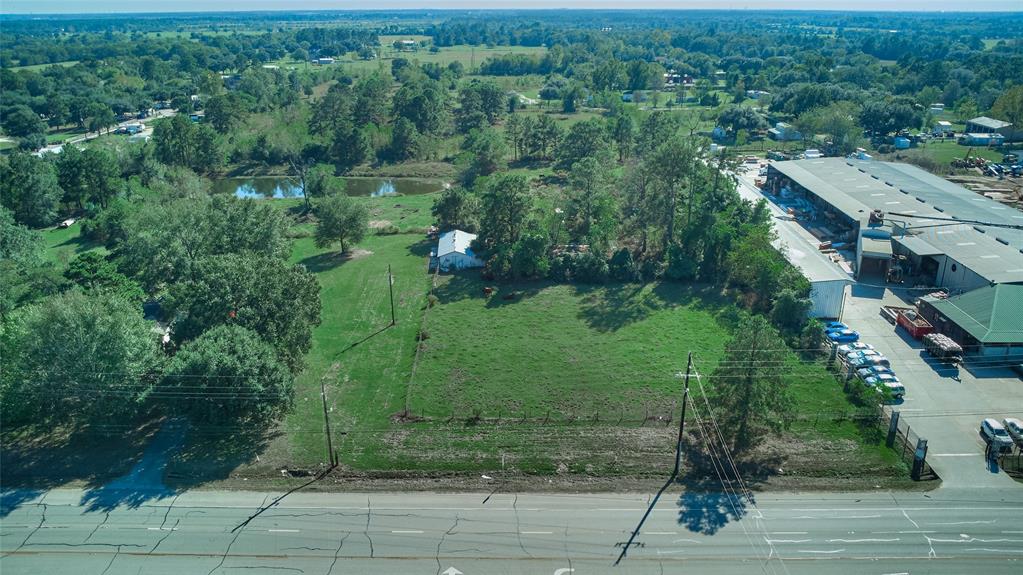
x=675, y=471
x=682, y=420
x=390, y=290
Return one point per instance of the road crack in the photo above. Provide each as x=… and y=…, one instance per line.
x=106, y=517
x=441, y=541
x=337, y=551
x=42, y=519
x=369, y=516
x=518, y=525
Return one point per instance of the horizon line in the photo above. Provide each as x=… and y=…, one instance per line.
x=494, y=10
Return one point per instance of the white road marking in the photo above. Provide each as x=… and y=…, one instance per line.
x=900, y=532
x=161, y=528
x=788, y=533
x=283, y=530
x=965, y=522
x=826, y=552
x=533, y=532
x=862, y=540
x=954, y=454
x=405, y=531
x=660, y=533
x=773, y=541
x=1012, y=531
x=659, y=552
x=687, y=541
x=987, y=550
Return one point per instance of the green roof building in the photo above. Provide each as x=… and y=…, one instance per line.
x=987, y=321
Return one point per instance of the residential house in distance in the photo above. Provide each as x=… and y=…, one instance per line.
x=673, y=79
x=783, y=132
x=324, y=61
x=937, y=108
x=454, y=252
x=756, y=94
x=942, y=128
x=407, y=45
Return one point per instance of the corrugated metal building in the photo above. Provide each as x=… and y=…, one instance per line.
x=941, y=252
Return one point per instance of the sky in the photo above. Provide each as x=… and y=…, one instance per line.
x=104, y=6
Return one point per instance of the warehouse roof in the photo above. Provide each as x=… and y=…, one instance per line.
x=985, y=255
x=992, y=314
x=856, y=187
x=989, y=123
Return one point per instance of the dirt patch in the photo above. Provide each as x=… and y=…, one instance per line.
x=354, y=254
x=378, y=224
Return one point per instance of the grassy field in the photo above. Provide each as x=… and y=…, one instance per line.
x=64, y=244
x=469, y=56
x=574, y=381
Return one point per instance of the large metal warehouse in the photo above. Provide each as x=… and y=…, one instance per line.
x=921, y=221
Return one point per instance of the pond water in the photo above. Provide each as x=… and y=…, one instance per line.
x=282, y=187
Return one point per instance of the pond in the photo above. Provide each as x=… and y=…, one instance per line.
x=265, y=187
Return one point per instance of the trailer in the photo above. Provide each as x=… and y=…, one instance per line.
x=944, y=348
x=908, y=318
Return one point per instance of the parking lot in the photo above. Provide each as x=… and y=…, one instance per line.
x=945, y=411
x=943, y=404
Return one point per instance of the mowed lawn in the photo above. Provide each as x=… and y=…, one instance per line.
x=363, y=362
x=572, y=350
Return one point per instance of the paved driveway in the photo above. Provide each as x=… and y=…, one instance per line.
x=944, y=411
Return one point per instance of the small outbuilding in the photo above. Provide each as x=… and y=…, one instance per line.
x=454, y=252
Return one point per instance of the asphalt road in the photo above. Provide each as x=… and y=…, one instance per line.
x=947, y=531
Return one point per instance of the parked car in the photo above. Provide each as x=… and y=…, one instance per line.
x=1015, y=428
x=855, y=346
x=995, y=435
x=844, y=336
x=870, y=361
x=855, y=356
x=865, y=372
x=887, y=383
x=834, y=325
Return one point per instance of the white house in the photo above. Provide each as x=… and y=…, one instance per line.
x=942, y=127
x=453, y=251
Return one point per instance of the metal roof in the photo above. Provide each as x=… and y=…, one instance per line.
x=855, y=187
x=989, y=123
x=816, y=267
x=454, y=241
x=992, y=314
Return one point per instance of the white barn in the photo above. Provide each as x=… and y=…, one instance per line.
x=453, y=251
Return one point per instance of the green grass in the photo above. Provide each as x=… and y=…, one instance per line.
x=945, y=152
x=37, y=67
x=469, y=56
x=64, y=244
x=366, y=378
x=571, y=350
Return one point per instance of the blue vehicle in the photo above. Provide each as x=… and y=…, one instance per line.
x=834, y=325
x=843, y=336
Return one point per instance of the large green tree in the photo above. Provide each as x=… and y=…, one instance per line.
x=227, y=374
x=164, y=240
x=340, y=219
x=750, y=394
x=275, y=299
x=77, y=357
x=506, y=204
x=30, y=190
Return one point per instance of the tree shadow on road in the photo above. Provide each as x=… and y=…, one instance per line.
x=144, y=482
x=35, y=459
x=713, y=497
